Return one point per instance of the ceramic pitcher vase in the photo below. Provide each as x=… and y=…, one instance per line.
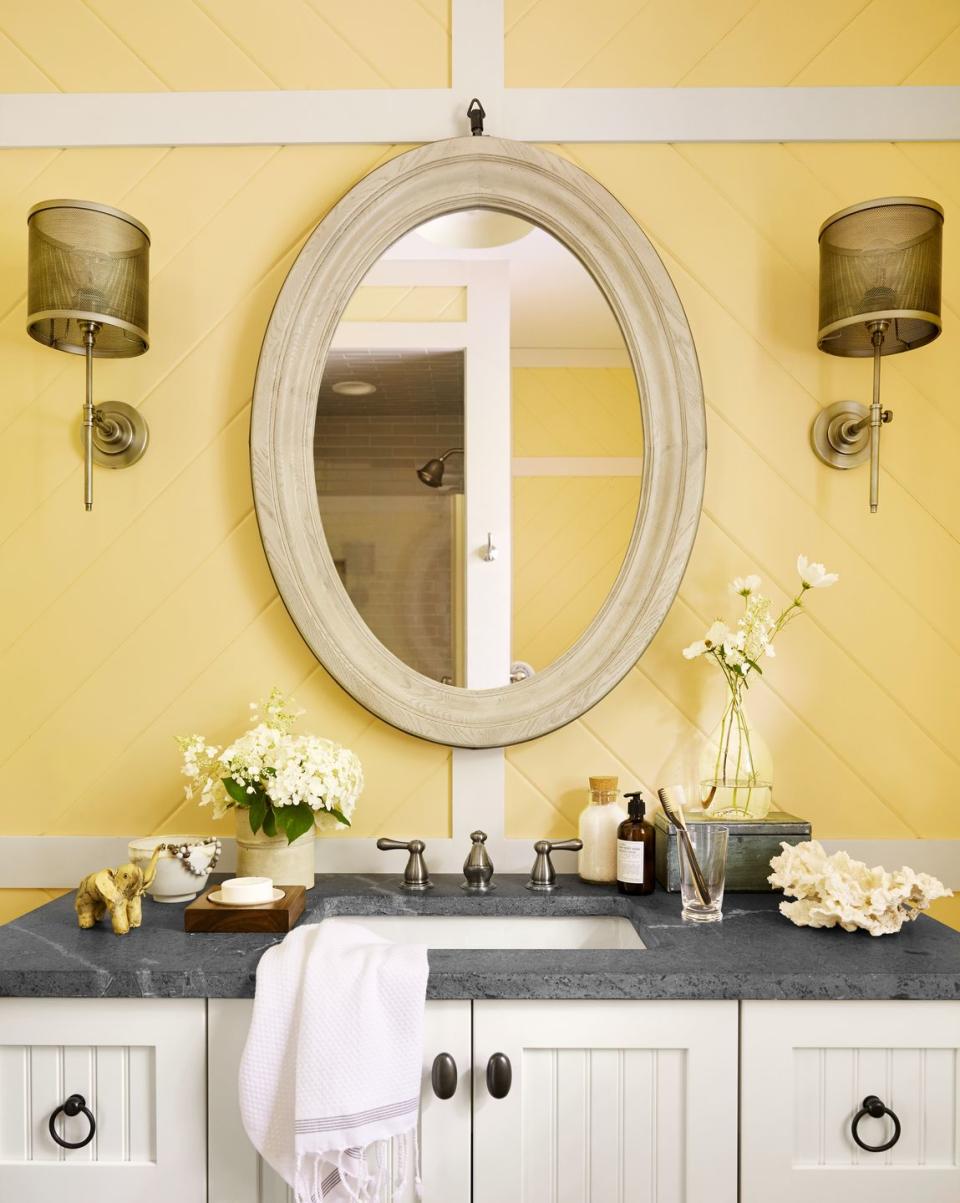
x=261, y=855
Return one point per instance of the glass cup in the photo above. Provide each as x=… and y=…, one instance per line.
x=710, y=847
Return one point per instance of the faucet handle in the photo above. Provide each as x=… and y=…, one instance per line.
x=543, y=876
x=478, y=868
x=415, y=875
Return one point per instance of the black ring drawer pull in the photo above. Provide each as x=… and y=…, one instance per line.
x=499, y=1075
x=443, y=1076
x=73, y=1106
x=874, y=1108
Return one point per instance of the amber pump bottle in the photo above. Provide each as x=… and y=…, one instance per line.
x=635, y=846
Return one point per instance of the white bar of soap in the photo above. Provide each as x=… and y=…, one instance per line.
x=241, y=891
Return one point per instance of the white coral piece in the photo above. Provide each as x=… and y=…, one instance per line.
x=832, y=890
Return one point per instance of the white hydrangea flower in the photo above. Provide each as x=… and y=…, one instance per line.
x=270, y=761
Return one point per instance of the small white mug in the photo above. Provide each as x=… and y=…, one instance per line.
x=242, y=891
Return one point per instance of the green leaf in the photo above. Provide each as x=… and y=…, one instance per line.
x=295, y=820
x=339, y=816
x=270, y=822
x=236, y=791
x=754, y=665
x=258, y=811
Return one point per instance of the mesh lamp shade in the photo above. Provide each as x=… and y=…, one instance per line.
x=880, y=261
x=87, y=263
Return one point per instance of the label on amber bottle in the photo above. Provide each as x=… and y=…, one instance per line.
x=630, y=861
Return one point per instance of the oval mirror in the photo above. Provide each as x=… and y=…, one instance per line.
x=478, y=442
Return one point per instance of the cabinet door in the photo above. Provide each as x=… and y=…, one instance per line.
x=139, y=1065
x=238, y=1174
x=619, y=1102
x=806, y=1069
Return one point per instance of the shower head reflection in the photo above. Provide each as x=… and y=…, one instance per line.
x=431, y=474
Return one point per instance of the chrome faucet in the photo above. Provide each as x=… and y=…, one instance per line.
x=478, y=868
x=543, y=876
x=415, y=875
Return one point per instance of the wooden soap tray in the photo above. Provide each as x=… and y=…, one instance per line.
x=279, y=916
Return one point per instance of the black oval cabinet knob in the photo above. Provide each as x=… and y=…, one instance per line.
x=73, y=1106
x=499, y=1075
x=873, y=1107
x=443, y=1076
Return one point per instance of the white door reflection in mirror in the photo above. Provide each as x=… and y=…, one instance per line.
x=478, y=391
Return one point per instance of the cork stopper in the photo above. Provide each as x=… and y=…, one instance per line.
x=605, y=784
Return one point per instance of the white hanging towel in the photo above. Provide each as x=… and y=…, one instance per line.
x=330, y=1075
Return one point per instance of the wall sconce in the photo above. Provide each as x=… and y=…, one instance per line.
x=880, y=264
x=87, y=292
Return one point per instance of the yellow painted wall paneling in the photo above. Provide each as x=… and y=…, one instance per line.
x=74, y=48
x=886, y=635
x=400, y=303
x=941, y=66
x=569, y=538
x=14, y=903
x=730, y=43
x=18, y=72
x=182, y=44
x=228, y=45
x=167, y=580
x=885, y=43
x=575, y=412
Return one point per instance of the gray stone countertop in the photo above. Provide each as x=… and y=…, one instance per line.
x=753, y=953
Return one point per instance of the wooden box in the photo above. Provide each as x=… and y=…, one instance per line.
x=750, y=846
x=279, y=916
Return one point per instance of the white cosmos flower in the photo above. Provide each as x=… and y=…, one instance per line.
x=718, y=633
x=815, y=576
x=695, y=649
x=743, y=586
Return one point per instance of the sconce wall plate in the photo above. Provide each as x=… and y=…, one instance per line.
x=837, y=446
x=120, y=435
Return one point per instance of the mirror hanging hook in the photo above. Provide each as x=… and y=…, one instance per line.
x=476, y=113
x=489, y=553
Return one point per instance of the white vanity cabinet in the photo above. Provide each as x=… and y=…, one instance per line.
x=610, y=1102
x=806, y=1068
x=139, y=1065
x=604, y=1102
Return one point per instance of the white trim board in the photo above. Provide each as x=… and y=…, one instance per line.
x=411, y=115
x=554, y=115
x=48, y=861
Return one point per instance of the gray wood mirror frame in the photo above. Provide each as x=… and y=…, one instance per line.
x=445, y=177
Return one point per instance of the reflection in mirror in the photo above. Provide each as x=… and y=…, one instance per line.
x=478, y=449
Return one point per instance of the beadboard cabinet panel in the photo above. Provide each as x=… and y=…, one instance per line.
x=237, y=1174
x=624, y=1102
x=139, y=1065
x=806, y=1068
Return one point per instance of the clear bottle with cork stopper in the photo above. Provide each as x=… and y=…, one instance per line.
x=599, y=820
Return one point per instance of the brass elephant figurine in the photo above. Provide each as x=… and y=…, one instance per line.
x=118, y=891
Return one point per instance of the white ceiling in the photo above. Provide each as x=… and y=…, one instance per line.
x=555, y=303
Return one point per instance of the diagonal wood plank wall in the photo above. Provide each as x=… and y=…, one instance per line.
x=156, y=614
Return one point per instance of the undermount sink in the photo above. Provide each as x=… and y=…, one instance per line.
x=502, y=931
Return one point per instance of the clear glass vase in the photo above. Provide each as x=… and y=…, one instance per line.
x=736, y=768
